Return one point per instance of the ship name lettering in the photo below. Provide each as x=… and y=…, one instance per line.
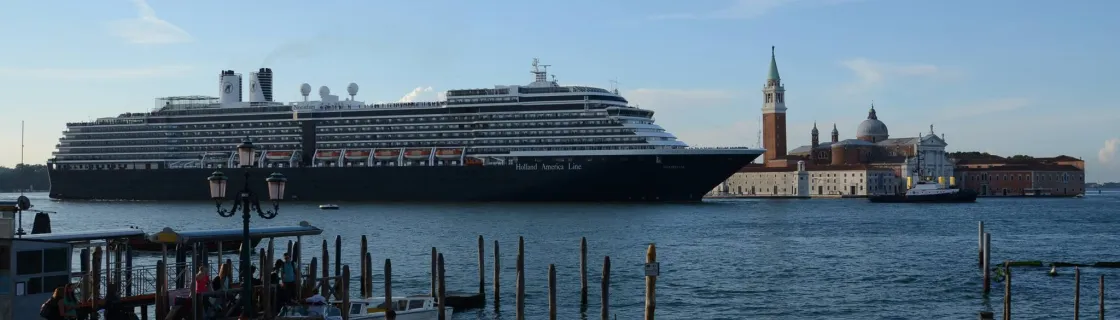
x=549, y=167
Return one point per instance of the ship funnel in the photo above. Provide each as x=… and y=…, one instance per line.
x=229, y=87
x=264, y=76
x=255, y=92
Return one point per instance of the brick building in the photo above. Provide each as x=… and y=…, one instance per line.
x=997, y=176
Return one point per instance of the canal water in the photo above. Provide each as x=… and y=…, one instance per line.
x=720, y=259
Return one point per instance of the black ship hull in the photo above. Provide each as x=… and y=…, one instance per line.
x=960, y=196
x=609, y=178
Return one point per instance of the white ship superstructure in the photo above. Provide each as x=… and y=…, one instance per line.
x=471, y=126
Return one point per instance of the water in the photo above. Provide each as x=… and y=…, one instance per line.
x=727, y=259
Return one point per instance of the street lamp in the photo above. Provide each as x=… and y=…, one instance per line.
x=247, y=202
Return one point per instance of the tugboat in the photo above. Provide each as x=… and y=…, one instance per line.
x=927, y=192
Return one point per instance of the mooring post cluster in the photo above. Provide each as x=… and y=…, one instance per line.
x=311, y=281
x=438, y=287
x=985, y=244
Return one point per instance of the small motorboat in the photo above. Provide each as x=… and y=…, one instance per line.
x=328, y=207
x=411, y=307
x=315, y=308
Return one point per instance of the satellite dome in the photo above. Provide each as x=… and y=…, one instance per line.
x=872, y=129
x=352, y=89
x=305, y=89
x=324, y=91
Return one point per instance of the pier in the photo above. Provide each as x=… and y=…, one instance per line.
x=109, y=278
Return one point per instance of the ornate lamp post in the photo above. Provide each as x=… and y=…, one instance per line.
x=248, y=203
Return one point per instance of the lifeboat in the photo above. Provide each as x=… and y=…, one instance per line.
x=453, y=153
x=473, y=162
x=327, y=155
x=386, y=154
x=417, y=153
x=357, y=154
x=278, y=155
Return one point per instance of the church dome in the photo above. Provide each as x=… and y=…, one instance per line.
x=872, y=129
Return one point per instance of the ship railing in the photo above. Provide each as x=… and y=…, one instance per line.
x=718, y=148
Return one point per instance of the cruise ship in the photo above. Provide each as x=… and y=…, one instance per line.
x=537, y=142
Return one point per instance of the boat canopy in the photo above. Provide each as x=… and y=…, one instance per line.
x=86, y=236
x=170, y=236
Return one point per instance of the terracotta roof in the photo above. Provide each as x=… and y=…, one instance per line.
x=1024, y=167
x=1059, y=158
x=809, y=167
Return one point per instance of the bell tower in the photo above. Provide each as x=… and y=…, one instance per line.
x=773, y=114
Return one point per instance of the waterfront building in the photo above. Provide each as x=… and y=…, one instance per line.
x=1021, y=176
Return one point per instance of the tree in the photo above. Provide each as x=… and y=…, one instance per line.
x=24, y=177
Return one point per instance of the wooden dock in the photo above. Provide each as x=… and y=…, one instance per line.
x=109, y=278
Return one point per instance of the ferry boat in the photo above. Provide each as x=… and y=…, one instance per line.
x=926, y=191
x=541, y=141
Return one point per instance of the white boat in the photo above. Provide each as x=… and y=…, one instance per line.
x=317, y=309
x=406, y=308
x=328, y=207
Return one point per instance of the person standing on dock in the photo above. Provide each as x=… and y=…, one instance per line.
x=289, y=276
x=69, y=303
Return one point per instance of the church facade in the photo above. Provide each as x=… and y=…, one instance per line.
x=871, y=163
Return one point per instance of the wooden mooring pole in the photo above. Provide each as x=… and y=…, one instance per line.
x=1076, y=293
x=583, y=270
x=442, y=300
x=1100, y=296
x=986, y=260
x=345, y=285
x=520, y=278
x=981, y=244
x=390, y=314
x=434, y=272
x=325, y=285
x=652, y=270
x=369, y=274
x=1007, y=291
x=497, y=277
x=363, y=282
x=551, y=292
x=481, y=269
x=605, y=297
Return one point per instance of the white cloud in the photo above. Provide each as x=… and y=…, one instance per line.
x=94, y=73
x=1107, y=153
x=422, y=94
x=747, y=9
x=147, y=28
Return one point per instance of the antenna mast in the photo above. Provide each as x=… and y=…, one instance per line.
x=614, y=85
x=540, y=75
x=21, y=149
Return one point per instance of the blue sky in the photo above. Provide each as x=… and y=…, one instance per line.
x=1008, y=77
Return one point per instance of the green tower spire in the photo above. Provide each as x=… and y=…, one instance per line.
x=773, y=66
